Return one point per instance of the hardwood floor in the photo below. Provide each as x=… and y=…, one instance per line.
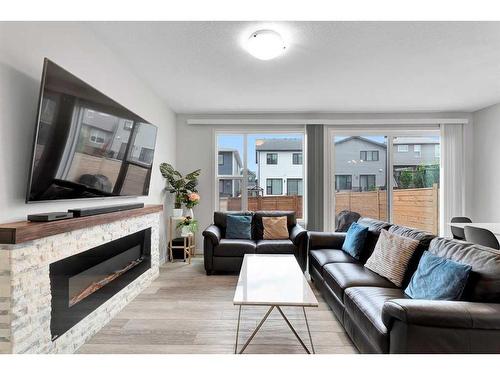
x=185, y=311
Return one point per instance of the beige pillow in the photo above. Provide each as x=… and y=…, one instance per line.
x=275, y=228
x=391, y=256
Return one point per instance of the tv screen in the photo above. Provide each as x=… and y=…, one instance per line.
x=86, y=144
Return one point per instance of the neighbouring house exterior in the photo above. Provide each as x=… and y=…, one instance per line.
x=361, y=163
x=414, y=151
x=229, y=164
x=279, y=166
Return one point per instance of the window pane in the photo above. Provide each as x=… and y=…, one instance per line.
x=272, y=158
x=360, y=175
x=230, y=195
x=274, y=186
x=297, y=158
x=278, y=172
x=416, y=183
x=230, y=155
x=343, y=182
x=294, y=186
x=230, y=163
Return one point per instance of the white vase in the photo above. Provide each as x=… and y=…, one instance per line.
x=177, y=212
x=190, y=213
x=185, y=230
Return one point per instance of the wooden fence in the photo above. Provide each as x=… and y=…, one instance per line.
x=416, y=208
x=269, y=203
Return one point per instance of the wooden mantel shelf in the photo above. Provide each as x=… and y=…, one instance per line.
x=23, y=231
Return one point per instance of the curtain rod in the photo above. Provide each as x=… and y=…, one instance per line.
x=240, y=121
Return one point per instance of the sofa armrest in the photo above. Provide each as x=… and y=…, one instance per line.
x=325, y=240
x=456, y=314
x=213, y=232
x=297, y=234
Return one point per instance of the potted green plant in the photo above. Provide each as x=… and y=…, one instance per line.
x=188, y=225
x=179, y=185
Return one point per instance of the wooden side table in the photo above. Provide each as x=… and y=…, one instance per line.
x=188, y=241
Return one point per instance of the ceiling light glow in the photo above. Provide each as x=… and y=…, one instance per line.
x=265, y=44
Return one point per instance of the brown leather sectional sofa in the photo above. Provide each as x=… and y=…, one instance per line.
x=380, y=318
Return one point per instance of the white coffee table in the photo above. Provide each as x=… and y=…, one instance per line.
x=274, y=281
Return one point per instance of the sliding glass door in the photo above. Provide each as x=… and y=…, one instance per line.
x=389, y=176
x=260, y=171
x=415, y=172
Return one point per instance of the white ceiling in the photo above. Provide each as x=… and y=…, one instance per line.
x=201, y=67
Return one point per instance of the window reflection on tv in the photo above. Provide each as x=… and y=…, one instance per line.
x=86, y=144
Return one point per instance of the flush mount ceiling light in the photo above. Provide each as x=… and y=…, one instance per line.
x=265, y=44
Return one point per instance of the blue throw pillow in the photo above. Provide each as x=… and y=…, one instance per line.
x=355, y=240
x=239, y=227
x=438, y=278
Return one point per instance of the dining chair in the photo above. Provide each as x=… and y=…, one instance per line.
x=458, y=233
x=481, y=236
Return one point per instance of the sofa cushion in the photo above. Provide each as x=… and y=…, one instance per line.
x=391, y=256
x=318, y=258
x=374, y=228
x=234, y=248
x=354, y=242
x=364, y=306
x=424, y=239
x=438, y=278
x=275, y=228
x=220, y=219
x=340, y=276
x=275, y=247
x=484, y=279
x=239, y=227
x=258, y=233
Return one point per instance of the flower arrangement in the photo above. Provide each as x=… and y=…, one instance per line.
x=191, y=199
x=189, y=223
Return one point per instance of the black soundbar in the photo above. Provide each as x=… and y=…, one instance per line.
x=81, y=212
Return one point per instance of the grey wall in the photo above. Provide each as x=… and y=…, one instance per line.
x=71, y=45
x=486, y=165
x=410, y=158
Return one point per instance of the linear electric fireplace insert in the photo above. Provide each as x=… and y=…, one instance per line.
x=83, y=282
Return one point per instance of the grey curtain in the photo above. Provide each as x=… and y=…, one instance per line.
x=315, y=178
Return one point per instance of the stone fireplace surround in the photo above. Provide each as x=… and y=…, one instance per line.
x=25, y=291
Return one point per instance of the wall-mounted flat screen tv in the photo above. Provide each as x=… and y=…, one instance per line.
x=86, y=144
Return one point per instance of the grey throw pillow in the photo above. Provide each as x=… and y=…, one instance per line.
x=391, y=256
